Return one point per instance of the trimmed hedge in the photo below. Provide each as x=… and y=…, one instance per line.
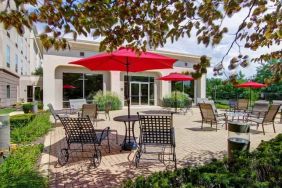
x=35, y=129
x=20, y=170
x=21, y=120
x=260, y=168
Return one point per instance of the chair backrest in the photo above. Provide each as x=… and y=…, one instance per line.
x=77, y=103
x=271, y=113
x=89, y=110
x=260, y=106
x=201, y=100
x=156, y=129
x=277, y=102
x=52, y=111
x=212, y=104
x=79, y=130
x=207, y=111
x=242, y=104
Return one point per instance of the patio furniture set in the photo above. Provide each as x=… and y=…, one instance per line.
x=156, y=129
x=260, y=114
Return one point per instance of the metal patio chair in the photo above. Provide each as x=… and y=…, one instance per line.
x=156, y=131
x=188, y=107
x=90, y=110
x=81, y=131
x=242, y=105
x=209, y=115
x=259, y=109
x=55, y=113
x=280, y=103
x=268, y=118
x=108, y=107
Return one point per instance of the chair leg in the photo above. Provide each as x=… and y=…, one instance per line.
x=109, y=143
x=202, y=124
x=273, y=127
x=215, y=126
x=263, y=128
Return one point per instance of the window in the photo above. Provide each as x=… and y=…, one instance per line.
x=16, y=63
x=79, y=86
x=8, y=92
x=21, y=67
x=81, y=54
x=8, y=56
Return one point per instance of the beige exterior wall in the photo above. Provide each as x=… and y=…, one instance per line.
x=56, y=63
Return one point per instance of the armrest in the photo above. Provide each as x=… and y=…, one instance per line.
x=104, y=132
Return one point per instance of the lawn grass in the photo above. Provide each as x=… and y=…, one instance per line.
x=35, y=129
x=222, y=106
x=20, y=170
x=6, y=110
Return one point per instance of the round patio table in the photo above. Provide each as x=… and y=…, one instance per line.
x=235, y=114
x=129, y=143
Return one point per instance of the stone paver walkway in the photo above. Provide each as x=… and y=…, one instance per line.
x=193, y=146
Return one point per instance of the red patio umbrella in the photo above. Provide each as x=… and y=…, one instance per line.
x=67, y=86
x=125, y=59
x=251, y=85
x=176, y=77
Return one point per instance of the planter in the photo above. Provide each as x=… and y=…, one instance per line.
x=4, y=136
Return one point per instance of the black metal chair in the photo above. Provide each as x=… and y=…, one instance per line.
x=81, y=131
x=156, y=131
x=268, y=118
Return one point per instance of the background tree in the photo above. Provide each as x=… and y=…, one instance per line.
x=140, y=23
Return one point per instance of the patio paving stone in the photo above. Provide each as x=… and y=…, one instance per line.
x=194, y=146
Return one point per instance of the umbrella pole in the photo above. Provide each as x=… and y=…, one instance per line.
x=175, y=97
x=250, y=97
x=128, y=85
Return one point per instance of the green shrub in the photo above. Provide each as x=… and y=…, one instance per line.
x=27, y=107
x=101, y=99
x=21, y=120
x=182, y=100
x=260, y=168
x=38, y=127
x=19, y=169
x=40, y=105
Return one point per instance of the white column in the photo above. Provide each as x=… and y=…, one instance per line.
x=115, y=83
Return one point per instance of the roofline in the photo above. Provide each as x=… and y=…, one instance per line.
x=93, y=45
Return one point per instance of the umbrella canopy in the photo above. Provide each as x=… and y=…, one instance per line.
x=67, y=86
x=250, y=84
x=125, y=59
x=176, y=77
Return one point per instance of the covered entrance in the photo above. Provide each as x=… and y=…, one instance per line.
x=141, y=90
x=139, y=93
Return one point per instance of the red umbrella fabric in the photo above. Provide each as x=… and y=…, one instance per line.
x=67, y=86
x=250, y=84
x=176, y=77
x=125, y=59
